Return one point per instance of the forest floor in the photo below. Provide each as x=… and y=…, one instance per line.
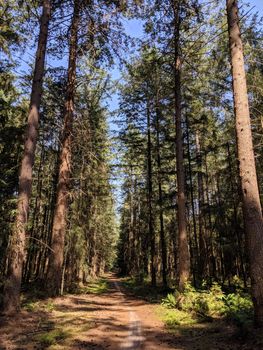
x=108, y=316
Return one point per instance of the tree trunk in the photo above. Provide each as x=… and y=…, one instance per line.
x=17, y=243
x=250, y=193
x=150, y=194
x=55, y=267
x=195, y=249
x=236, y=226
x=183, y=249
x=160, y=191
x=203, y=253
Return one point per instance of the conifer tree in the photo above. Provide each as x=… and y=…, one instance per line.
x=252, y=211
x=17, y=244
x=54, y=276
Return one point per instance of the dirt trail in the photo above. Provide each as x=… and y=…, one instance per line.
x=112, y=320
x=124, y=322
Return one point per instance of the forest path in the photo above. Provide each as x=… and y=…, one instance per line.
x=107, y=318
x=113, y=319
x=124, y=322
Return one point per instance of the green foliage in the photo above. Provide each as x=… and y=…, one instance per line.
x=238, y=308
x=205, y=305
x=94, y=286
x=36, y=305
x=52, y=337
x=144, y=289
x=12, y=118
x=174, y=318
x=97, y=287
x=170, y=301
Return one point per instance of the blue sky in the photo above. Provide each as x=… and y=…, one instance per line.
x=135, y=29
x=258, y=4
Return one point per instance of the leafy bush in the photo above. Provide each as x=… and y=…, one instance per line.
x=170, y=301
x=203, y=303
x=211, y=303
x=238, y=308
x=175, y=317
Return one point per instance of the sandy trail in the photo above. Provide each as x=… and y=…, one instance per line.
x=113, y=320
x=124, y=322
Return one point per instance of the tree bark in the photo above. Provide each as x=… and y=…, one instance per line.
x=16, y=254
x=195, y=249
x=160, y=191
x=250, y=193
x=150, y=194
x=203, y=256
x=235, y=217
x=55, y=266
x=183, y=249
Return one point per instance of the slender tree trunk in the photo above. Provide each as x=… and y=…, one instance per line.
x=203, y=256
x=195, y=249
x=213, y=268
x=160, y=190
x=150, y=194
x=237, y=229
x=183, y=249
x=250, y=193
x=131, y=227
x=17, y=244
x=55, y=267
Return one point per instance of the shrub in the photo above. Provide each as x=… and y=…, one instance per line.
x=210, y=303
x=238, y=308
x=170, y=301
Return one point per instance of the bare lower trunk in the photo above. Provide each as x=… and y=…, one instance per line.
x=195, y=249
x=59, y=224
x=250, y=194
x=236, y=226
x=203, y=257
x=160, y=191
x=17, y=243
x=150, y=194
x=183, y=250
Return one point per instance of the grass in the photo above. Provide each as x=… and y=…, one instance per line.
x=211, y=316
x=174, y=317
x=59, y=327
x=96, y=286
x=35, y=306
x=99, y=286
x=52, y=337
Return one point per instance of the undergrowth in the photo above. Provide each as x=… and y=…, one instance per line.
x=98, y=286
x=52, y=337
x=205, y=305
x=145, y=290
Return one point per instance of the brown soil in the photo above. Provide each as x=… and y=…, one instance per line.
x=113, y=320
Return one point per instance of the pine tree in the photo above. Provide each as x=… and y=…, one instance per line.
x=17, y=245
x=54, y=276
x=252, y=211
